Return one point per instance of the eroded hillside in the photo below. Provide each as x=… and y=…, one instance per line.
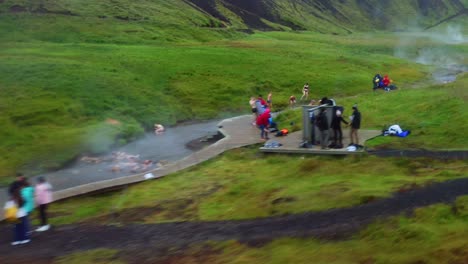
x=338, y=16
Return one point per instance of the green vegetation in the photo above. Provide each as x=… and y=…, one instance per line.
x=97, y=256
x=59, y=92
x=84, y=76
x=239, y=185
x=435, y=234
x=68, y=66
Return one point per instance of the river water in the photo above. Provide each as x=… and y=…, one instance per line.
x=448, y=73
x=164, y=148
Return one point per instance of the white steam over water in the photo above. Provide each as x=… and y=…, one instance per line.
x=440, y=49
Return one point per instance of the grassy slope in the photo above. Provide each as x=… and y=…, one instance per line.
x=82, y=84
x=144, y=62
x=239, y=185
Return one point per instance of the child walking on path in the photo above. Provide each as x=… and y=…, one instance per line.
x=43, y=198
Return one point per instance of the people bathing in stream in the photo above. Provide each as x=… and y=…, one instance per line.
x=158, y=129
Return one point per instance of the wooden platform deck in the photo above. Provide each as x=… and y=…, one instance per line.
x=291, y=144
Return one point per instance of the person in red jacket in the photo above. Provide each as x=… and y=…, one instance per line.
x=386, y=81
x=263, y=124
x=262, y=101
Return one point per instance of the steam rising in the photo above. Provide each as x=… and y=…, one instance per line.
x=438, y=49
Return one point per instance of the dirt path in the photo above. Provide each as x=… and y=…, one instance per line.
x=421, y=153
x=156, y=238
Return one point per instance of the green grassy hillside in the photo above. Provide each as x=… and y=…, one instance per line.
x=125, y=21
x=68, y=66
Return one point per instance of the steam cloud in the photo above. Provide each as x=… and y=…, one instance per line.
x=438, y=49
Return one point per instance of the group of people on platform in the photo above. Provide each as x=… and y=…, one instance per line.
x=261, y=111
x=324, y=126
x=23, y=198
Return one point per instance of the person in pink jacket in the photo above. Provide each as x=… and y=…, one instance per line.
x=43, y=194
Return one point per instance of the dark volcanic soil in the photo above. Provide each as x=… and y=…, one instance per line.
x=157, y=238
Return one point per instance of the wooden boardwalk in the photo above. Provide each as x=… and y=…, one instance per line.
x=291, y=142
x=238, y=132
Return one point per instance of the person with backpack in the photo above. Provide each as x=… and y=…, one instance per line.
x=355, y=126
x=322, y=124
x=377, y=81
x=21, y=230
x=43, y=195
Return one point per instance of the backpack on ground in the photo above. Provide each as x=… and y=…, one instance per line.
x=11, y=211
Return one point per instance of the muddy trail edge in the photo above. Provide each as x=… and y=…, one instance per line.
x=331, y=224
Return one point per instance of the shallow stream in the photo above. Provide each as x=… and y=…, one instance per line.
x=160, y=149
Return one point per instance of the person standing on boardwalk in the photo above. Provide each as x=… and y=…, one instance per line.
x=336, y=126
x=263, y=124
x=253, y=107
x=355, y=125
x=43, y=193
x=305, y=91
x=322, y=124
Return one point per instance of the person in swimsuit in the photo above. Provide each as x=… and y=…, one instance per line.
x=269, y=100
x=305, y=91
x=253, y=107
x=292, y=101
